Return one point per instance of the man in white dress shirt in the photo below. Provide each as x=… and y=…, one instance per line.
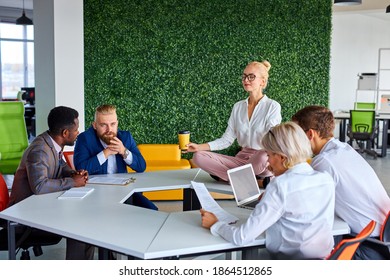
x=360, y=196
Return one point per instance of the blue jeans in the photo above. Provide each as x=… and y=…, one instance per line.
x=138, y=199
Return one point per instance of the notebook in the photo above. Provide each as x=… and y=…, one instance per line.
x=244, y=185
x=76, y=193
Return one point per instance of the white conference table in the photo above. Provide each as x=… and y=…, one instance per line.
x=99, y=219
x=174, y=179
x=382, y=118
x=183, y=235
x=213, y=185
x=103, y=220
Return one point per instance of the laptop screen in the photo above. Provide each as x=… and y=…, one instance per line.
x=244, y=183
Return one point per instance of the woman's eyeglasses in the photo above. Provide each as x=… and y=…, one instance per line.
x=251, y=77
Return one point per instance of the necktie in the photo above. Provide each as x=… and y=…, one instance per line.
x=60, y=156
x=59, y=164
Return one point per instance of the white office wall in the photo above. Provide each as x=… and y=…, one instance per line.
x=69, y=46
x=59, y=58
x=356, y=39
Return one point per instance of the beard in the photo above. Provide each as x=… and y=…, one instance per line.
x=107, y=137
x=70, y=143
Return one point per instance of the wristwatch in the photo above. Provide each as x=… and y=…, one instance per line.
x=126, y=154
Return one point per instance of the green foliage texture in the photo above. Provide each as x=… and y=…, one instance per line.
x=170, y=65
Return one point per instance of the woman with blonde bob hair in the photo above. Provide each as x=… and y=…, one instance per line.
x=297, y=208
x=290, y=142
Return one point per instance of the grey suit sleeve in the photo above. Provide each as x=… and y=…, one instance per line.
x=66, y=171
x=44, y=172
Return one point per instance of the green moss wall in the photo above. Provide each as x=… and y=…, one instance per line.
x=176, y=64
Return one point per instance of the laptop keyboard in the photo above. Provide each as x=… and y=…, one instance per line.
x=250, y=205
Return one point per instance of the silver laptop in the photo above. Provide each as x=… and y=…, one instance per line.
x=244, y=185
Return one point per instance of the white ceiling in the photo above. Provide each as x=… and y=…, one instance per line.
x=379, y=6
x=365, y=6
x=372, y=8
x=28, y=4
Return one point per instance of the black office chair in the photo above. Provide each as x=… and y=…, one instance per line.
x=348, y=246
x=362, y=128
x=382, y=245
x=26, y=237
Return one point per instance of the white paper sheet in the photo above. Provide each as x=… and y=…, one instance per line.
x=76, y=193
x=110, y=180
x=209, y=204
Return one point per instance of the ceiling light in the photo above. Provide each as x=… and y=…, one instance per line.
x=347, y=2
x=23, y=20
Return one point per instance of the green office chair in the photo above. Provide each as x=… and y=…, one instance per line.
x=363, y=129
x=364, y=106
x=13, y=135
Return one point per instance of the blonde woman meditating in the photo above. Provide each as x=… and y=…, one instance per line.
x=250, y=119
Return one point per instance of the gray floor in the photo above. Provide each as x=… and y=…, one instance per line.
x=57, y=252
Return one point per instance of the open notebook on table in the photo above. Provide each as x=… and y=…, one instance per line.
x=76, y=193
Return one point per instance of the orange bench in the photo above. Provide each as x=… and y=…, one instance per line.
x=163, y=157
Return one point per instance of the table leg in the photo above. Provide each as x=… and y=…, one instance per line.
x=250, y=253
x=342, y=129
x=103, y=253
x=190, y=200
x=11, y=240
x=385, y=129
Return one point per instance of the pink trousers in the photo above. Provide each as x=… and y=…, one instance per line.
x=218, y=164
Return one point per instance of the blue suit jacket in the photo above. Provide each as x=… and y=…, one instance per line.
x=88, y=145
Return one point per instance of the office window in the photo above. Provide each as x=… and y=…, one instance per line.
x=16, y=59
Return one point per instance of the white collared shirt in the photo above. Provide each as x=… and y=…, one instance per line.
x=111, y=164
x=56, y=146
x=360, y=196
x=249, y=132
x=297, y=213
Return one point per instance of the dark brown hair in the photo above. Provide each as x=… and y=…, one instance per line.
x=318, y=118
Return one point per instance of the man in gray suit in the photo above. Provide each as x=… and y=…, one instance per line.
x=43, y=170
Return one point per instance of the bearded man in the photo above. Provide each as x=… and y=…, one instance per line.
x=103, y=149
